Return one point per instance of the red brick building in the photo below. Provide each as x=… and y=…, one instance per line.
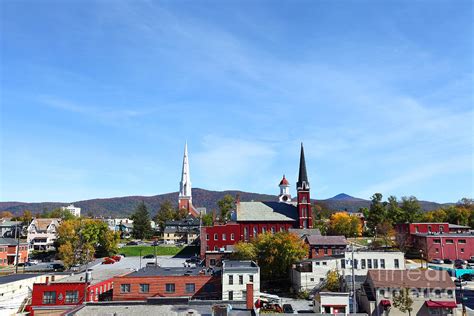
x=437, y=240
x=8, y=249
x=253, y=218
x=324, y=246
x=153, y=282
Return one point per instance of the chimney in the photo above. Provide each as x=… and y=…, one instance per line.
x=249, y=298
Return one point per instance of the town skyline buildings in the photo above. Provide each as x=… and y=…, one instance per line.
x=97, y=101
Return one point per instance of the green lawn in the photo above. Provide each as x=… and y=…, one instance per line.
x=133, y=251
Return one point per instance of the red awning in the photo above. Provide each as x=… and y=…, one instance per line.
x=441, y=304
x=385, y=303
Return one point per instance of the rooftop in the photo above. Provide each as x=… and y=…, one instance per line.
x=10, y=241
x=410, y=279
x=18, y=277
x=266, y=211
x=326, y=240
x=447, y=235
x=301, y=232
x=237, y=265
x=168, y=271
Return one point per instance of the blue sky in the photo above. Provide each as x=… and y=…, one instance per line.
x=98, y=97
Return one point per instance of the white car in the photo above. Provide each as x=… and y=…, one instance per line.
x=33, y=262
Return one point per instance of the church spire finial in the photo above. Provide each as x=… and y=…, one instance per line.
x=185, y=184
x=303, y=182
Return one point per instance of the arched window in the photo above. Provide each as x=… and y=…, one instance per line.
x=264, y=230
x=255, y=231
x=273, y=229
x=246, y=233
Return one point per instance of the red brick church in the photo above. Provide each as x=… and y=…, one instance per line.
x=253, y=218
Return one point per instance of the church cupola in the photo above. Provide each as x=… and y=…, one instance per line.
x=304, y=200
x=285, y=195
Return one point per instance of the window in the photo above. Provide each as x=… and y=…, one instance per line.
x=416, y=229
x=395, y=293
x=169, y=288
x=246, y=233
x=438, y=293
x=144, y=288
x=437, y=250
x=426, y=294
x=190, y=287
x=72, y=296
x=415, y=293
x=251, y=278
x=264, y=230
x=255, y=231
x=125, y=288
x=241, y=279
x=216, y=236
x=231, y=279
x=207, y=248
x=461, y=241
x=244, y=294
x=362, y=263
x=369, y=263
x=321, y=279
x=281, y=228
x=382, y=292
x=207, y=236
x=382, y=263
x=232, y=236
x=224, y=236
x=216, y=248
x=449, y=241
x=343, y=263
x=311, y=279
x=318, y=263
x=212, y=262
x=355, y=264
x=462, y=250
x=376, y=263
x=441, y=229
x=396, y=263
x=325, y=251
x=231, y=295
x=450, y=293
x=429, y=228
x=437, y=241
x=273, y=230
x=49, y=297
x=325, y=263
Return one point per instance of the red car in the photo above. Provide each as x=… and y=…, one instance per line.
x=108, y=261
x=117, y=257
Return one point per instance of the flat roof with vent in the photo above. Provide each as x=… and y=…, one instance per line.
x=170, y=271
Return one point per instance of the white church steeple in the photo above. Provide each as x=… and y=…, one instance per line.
x=185, y=183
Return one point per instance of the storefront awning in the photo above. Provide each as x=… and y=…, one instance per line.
x=441, y=304
x=385, y=303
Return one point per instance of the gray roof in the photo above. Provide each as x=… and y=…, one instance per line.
x=326, y=240
x=167, y=271
x=458, y=226
x=10, y=241
x=301, y=232
x=239, y=266
x=17, y=277
x=266, y=211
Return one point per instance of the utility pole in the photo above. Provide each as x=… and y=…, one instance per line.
x=354, y=303
x=17, y=235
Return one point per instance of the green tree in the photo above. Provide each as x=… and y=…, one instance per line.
x=165, y=213
x=207, y=219
x=141, y=222
x=403, y=301
x=58, y=213
x=410, y=209
x=394, y=212
x=274, y=253
x=376, y=213
x=226, y=205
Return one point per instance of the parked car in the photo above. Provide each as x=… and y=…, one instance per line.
x=32, y=262
x=193, y=259
x=437, y=261
x=466, y=277
x=76, y=267
x=132, y=243
x=56, y=267
x=149, y=257
x=108, y=260
x=288, y=309
x=448, y=261
x=151, y=264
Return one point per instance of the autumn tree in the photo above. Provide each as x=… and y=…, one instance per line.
x=333, y=281
x=342, y=223
x=82, y=239
x=386, y=233
x=274, y=253
x=26, y=217
x=6, y=214
x=141, y=222
x=403, y=301
x=226, y=205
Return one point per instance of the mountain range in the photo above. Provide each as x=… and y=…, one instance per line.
x=124, y=206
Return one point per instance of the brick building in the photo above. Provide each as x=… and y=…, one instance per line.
x=153, y=282
x=8, y=249
x=253, y=218
x=323, y=246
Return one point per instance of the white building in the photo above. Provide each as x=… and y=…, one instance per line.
x=311, y=273
x=235, y=276
x=331, y=303
x=76, y=211
x=42, y=233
